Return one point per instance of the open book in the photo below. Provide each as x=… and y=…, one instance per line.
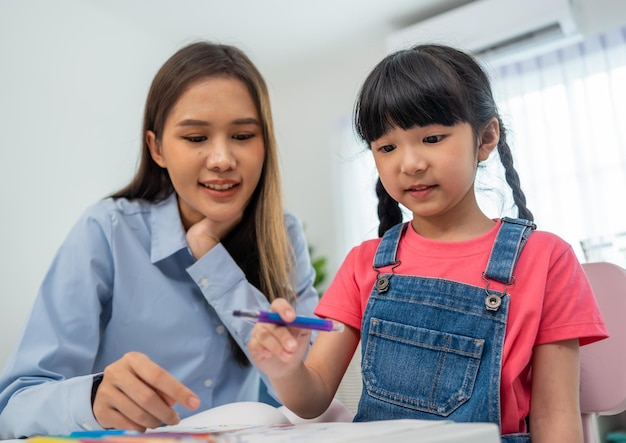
x=248, y=414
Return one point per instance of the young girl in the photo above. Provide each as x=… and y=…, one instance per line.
x=460, y=317
x=133, y=324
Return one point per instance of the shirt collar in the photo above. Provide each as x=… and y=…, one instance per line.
x=168, y=234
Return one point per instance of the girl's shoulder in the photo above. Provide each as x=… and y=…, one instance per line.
x=364, y=252
x=548, y=251
x=542, y=242
x=547, y=241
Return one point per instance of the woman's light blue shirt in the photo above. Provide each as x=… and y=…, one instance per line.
x=124, y=280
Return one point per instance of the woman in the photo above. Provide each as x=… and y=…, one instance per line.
x=133, y=324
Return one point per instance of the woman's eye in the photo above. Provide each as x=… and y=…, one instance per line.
x=387, y=148
x=433, y=138
x=243, y=136
x=195, y=138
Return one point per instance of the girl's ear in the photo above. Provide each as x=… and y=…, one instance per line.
x=488, y=139
x=155, y=148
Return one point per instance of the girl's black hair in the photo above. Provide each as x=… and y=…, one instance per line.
x=425, y=85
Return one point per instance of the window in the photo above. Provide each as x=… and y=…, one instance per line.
x=565, y=112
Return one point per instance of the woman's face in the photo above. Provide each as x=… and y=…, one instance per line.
x=212, y=147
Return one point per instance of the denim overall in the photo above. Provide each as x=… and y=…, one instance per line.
x=432, y=348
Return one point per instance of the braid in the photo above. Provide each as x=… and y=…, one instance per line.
x=389, y=212
x=512, y=178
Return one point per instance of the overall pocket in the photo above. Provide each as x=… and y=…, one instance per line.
x=418, y=368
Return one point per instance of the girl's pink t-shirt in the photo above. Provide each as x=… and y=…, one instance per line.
x=551, y=299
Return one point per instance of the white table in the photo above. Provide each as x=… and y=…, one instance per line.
x=263, y=423
x=397, y=431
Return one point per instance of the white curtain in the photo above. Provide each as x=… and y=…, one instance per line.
x=566, y=115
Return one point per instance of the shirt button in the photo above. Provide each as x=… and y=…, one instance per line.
x=203, y=283
x=220, y=329
x=208, y=383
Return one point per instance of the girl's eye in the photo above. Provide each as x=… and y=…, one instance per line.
x=243, y=136
x=195, y=138
x=433, y=138
x=387, y=148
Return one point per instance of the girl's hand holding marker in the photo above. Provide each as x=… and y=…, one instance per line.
x=299, y=322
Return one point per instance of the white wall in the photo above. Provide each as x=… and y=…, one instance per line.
x=71, y=96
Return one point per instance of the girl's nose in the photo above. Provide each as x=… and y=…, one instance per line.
x=413, y=162
x=220, y=157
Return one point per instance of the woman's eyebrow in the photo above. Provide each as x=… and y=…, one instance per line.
x=239, y=121
x=192, y=122
x=246, y=121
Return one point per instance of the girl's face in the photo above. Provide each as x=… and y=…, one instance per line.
x=212, y=146
x=431, y=169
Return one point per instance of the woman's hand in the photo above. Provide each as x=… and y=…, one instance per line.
x=279, y=350
x=136, y=394
x=204, y=235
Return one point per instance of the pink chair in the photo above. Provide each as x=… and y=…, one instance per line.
x=603, y=364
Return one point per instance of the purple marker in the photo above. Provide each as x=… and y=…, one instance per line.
x=300, y=322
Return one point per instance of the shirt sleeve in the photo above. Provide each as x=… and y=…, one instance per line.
x=225, y=287
x=569, y=309
x=46, y=384
x=342, y=299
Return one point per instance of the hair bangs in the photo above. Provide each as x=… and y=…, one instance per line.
x=393, y=96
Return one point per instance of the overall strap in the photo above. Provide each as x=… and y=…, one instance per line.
x=386, y=254
x=506, y=249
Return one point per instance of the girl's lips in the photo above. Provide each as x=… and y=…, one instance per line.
x=418, y=188
x=421, y=191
